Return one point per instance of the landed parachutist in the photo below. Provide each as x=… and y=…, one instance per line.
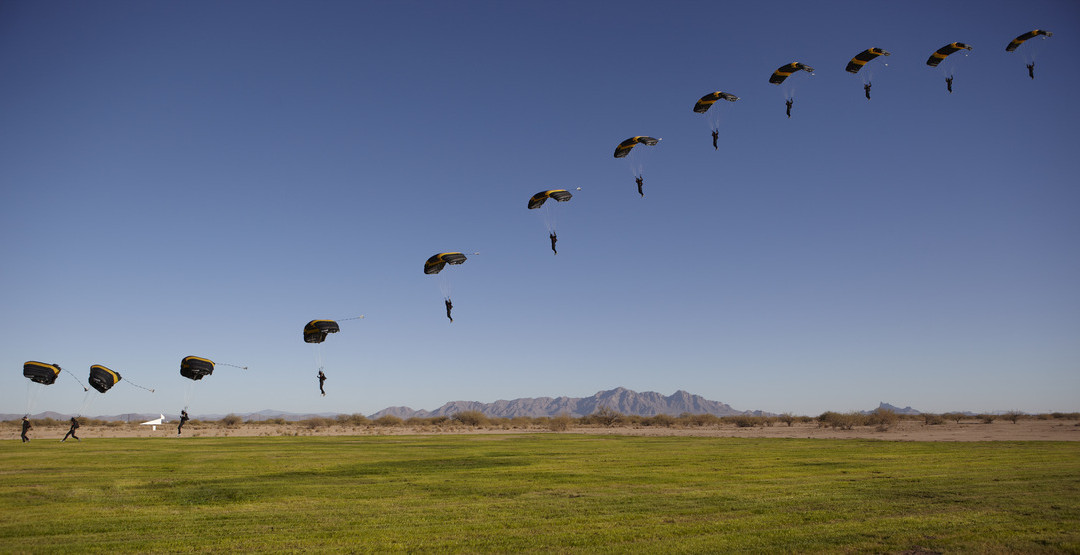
x=449, y=307
x=554, y=239
x=322, y=378
x=866, y=90
x=640, y=185
x=789, y=102
x=715, y=137
x=183, y=418
x=1031, y=70
x=948, y=84
x=25, y=428
x=71, y=430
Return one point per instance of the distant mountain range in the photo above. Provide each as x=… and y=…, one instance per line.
x=622, y=400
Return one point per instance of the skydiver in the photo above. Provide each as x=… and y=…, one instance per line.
x=183, y=418
x=948, y=84
x=553, y=240
x=449, y=307
x=71, y=431
x=640, y=184
x=322, y=378
x=866, y=90
x=715, y=137
x=789, y=102
x=1031, y=70
x=25, y=428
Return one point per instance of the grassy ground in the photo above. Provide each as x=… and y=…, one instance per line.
x=540, y=493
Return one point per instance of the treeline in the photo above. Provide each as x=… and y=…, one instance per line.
x=881, y=419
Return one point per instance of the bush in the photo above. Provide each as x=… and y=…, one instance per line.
x=560, y=423
x=231, y=421
x=472, y=418
x=661, y=420
x=1013, y=416
x=843, y=421
x=987, y=418
x=882, y=418
x=603, y=417
x=388, y=420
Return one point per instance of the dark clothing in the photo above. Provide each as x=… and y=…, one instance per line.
x=866, y=90
x=25, y=428
x=789, y=102
x=183, y=418
x=948, y=83
x=449, y=307
x=322, y=378
x=640, y=185
x=715, y=137
x=1031, y=70
x=71, y=431
x=553, y=240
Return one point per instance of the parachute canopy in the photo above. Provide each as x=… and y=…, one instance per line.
x=784, y=71
x=1028, y=35
x=315, y=331
x=624, y=147
x=864, y=57
x=196, y=368
x=436, y=263
x=704, y=103
x=102, y=379
x=944, y=52
x=40, y=372
x=537, y=200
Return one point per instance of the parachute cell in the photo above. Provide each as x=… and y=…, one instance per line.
x=704, y=103
x=436, y=263
x=196, y=368
x=102, y=379
x=785, y=71
x=864, y=57
x=626, y=146
x=315, y=331
x=40, y=372
x=944, y=52
x=1015, y=43
x=537, y=200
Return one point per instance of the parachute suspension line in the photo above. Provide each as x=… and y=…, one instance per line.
x=189, y=392
x=33, y=391
x=88, y=399
x=84, y=388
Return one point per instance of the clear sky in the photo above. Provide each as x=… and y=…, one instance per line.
x=203, y=178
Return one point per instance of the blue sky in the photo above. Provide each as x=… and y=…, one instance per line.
x=203, y=178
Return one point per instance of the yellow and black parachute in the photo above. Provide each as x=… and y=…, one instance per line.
x=40, y=372
x=436, y=263
x=196, y=368
x=624, y=147
x=944, y=52
x=1015, y=43
x=784, y=71
x=102, y=379
x=864, y=57
x=704, y=103
x=315, y=331
x=537, y=200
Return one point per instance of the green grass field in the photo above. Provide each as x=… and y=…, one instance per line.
x=539, y=493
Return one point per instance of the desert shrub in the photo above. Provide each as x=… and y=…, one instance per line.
x=659, y=420
x=882, y=418
x=353, y=420
x=521, y=422
x=276, y=421
x=843, y=421
x=932, y=419
x=954, y=416
x=316, y=423
x=231, y=421
x=987, y=418
x=388, y=420
x=699, y=420
x=1013, y=416
x=560, y=422
x=603, y=416
x=787, y=418
x=744, y=420
x=472, y=418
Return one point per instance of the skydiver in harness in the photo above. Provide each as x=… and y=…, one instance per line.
x=948, y=84
x=866, y=90
x=322, y=378
x=183, y=418
x=640, y=184
x=789, y=102
x=1031, y=70
x=553, y=241
x=715, y=137
x=25, y=428
x=71, y=431
x=449, y=307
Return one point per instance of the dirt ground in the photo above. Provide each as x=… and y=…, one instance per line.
x=904, y=430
